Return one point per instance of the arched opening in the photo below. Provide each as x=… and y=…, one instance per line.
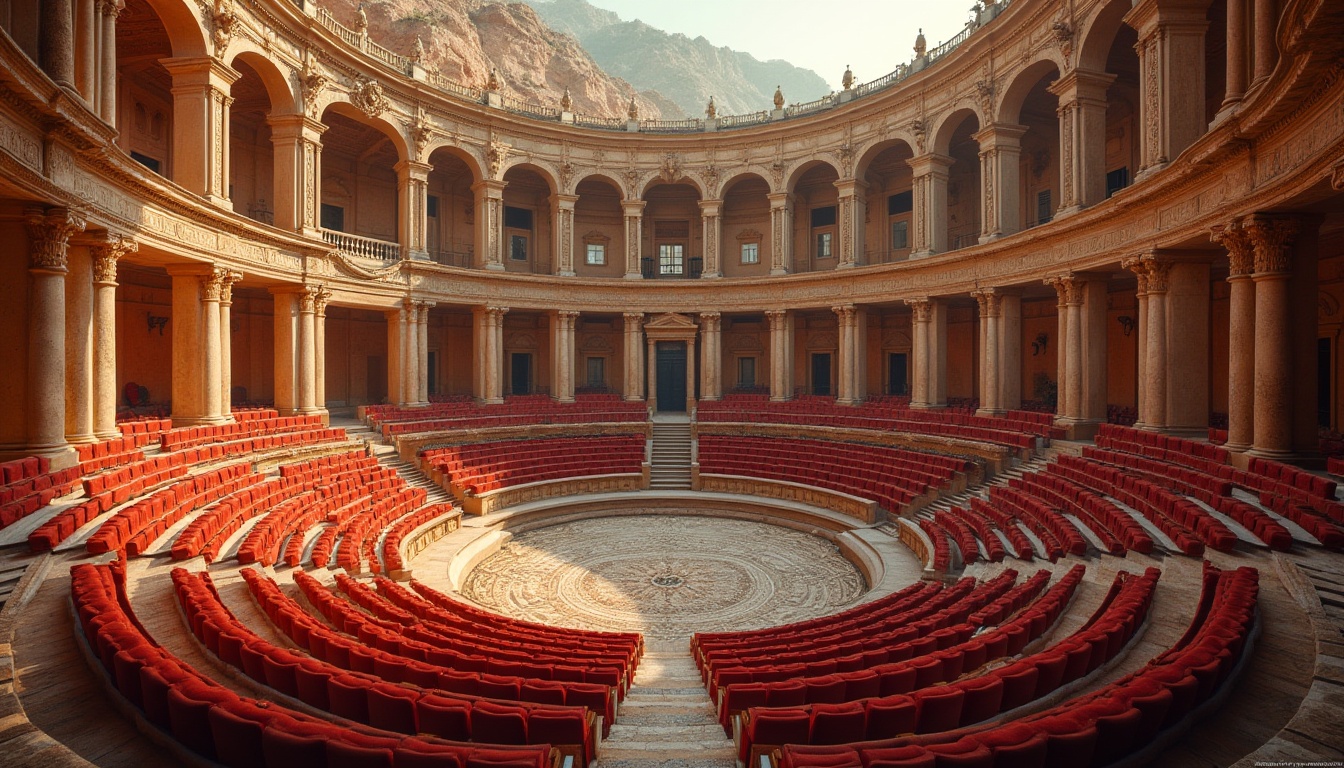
x=145, y=90
x=746, y=248
x=251, y=153
x=1039, y=161
x=890, y=214
x=599, y=232
x=358, y=211
x=450, y=209
x=527, y=221
x=1108, y=52
x=673, y=237
x=816, y=217
x=961, y=198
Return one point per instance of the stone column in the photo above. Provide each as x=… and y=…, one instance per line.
x=286, y=347
x=49, y=233
x=412, y=208
x=490, y=223
x=781, y=233
x=634, y=238
x=307, y=357
x=320, y=350
x=1000, y=150
x=929, y=197
x=226, y=342
x=88, y=30
x=1235, y=86
x=1010, y=349
x=851, y=212
x=212, y=288
x=57, y=27
x=781, y=354
x=494, y=372
x=711, y=356
x=709, y=220
x=1271, y=240
x=1062, y=405
x=201, y=125
x=297, y=140
x=989, y=304
x=78, y=385
x=1092, y=409
x=562, y=213
x=107, y=67
x=422, y=351
x=562, y=354
x=845, y=315
x=1140, y=270
x=105, y=394
x=1187, y=316
x=1266, y=50
x=690, y=375
x=1155, y=343
x=919, y=343
x=938, y=354
x=634, y=355
x=1171, y=77
x=651, y=372
x=1082, y=139
x=396, y=356
x=1073, y=346
x=410, y=344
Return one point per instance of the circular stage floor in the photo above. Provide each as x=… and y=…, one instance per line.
x=666, y=576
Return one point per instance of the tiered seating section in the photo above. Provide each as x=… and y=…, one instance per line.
x=516, y=410
x=890, y=476
x=477, y=468
x=29, y=485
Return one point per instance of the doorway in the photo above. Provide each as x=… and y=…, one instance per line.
x=520, y=373
x=671, y=374
x=897, y=366
x=821, y=373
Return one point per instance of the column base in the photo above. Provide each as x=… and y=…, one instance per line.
x=493, y=266
x=492, y=401
x=710, y=275
x=779, y=271
x=1078, y=429
x=61, y=457
x=1236, y=447
x=992, y=413
x=1274, y=454
x=81, y=439
x=1069, y=211
x=1228, y=109
x=924, y=254
x=566, y=273
x=634, y=276
x=1149, y=171
x=774, y=399
x=710, y=398
x=633, y=399
x=112, y=434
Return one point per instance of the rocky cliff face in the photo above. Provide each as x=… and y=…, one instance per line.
x=686, y=71
x=464, y=39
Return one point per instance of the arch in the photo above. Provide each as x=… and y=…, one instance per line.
x=1015, y=95
x=472, y=162
x=347, y=110
x=659, y=181
x=541, y=171
x=1101, y=31
x=603, y=178
x=182, y=21
x=876, y=148
x=278, y=87
x=797, y=173
x=739, y=177
x=942, y=133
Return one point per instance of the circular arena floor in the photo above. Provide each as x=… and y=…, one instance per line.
x=666, y=576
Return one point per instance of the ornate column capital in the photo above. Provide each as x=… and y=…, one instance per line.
x=226, y=286
x=308, y=298
x=632, y=317
x=569, y=315
x=845, y=313
x=320, y=300
x=212, y=284
x=1234, y=237
x=107, y=251
x=1272, y=240
x=1158, y=270
x=710, y=320
x=921, y=309
x=776, y=318
x=50, y=231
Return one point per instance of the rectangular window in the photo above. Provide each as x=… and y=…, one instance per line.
x=517, y=218
x=671, y=258
x=901, y=202
x=824, y=245
x=746, y=371
x=597, y=372
x=1044, y=210
x=900, y=235
x=333, y=218
x=824, y=217
x=597, y=254
x=751, y=253
x=432, y=207
x=1116, y=180
x=518, y=247
x=147, y=161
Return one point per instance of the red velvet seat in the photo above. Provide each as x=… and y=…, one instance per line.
x=963, y=753
x=282, y=746
x=189, y=720
x=343, y=754
x=939, y=711
x=838, y=723
x=891, y=716
x=392, y=708
x=910, y=756
x=829, y=689
x=984, y=698
x=348, y=698
x=498, y=724
x=444, y=717
x=238, y=740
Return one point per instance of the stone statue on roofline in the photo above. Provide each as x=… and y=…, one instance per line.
x=921, y=47
x=633, y=111
x=566, y=102
x=848, y=80
x=779, y=98
x=711, y=111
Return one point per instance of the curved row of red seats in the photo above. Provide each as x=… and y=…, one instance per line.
x=392, y=559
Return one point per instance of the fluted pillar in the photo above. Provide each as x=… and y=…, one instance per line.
x=1010, y=349
x=781, y=233
x=410, y=345
x=1000, y=150
x=105, y=393
x=929, y=197
x=562, y=213
x=109, y=10
x=710, y=222
x=490, y=223
x=1171, y=77
x=490, y=321
x=396, y=354
x=1082, y=139
x=422, y=351
x=919, y=343
x=634, y=355
x=49, y=233
x=307, y=357
x=851, y=212
x=297, y=143
x=781, y=354
x=412, y=208
x=938, y=312
x=634, y=238
x=201, y=101
x=1062, y=406
x=320, y=350
x=79, y=343
x=989, y=302
x=562, y=354
x=226, y=341
x=852, y=322
x=212, y=288
x=711, y=356
x=1240, y=331
x=1271, y=240
x=1155, y=344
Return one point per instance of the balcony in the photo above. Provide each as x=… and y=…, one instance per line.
x=461, y=256
x=363, y=247
x=692, y=270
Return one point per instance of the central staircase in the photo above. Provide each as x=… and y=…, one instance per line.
x=667, y=720
x=670, y=466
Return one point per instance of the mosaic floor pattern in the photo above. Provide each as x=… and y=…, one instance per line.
x=666, y=576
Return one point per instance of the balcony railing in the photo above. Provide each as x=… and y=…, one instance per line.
x=884, y=256
x=364, y=247
x=694, y=268
x=464, y=256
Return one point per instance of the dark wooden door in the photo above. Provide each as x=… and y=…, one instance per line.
x=897, y=383
x=672, y=376
x=821, y=373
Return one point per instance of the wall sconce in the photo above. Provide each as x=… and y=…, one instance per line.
x=157, y=322
x=1127, y=323
x=1038, y=346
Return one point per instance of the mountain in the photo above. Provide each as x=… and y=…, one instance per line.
x=464, y=39
x=687, y=71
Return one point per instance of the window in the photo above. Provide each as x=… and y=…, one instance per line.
x=518, y=247
x=333, y=218
x=597, y=254
x=901, y=202
x=900, y=235
x=746, y=372
x=670, y=259
x=1116, y=180
x=1044, y=209
x=147, y=161
x=824, y=245
x=751, y=253
x=517, y=218
x=432, y=207
x=823, y=217
x=597, y=372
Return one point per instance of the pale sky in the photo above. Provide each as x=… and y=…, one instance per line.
x=872, y=36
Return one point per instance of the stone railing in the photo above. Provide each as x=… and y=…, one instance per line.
x=363, y=247
x=503, y=498
x=742, y=121
x=468, y=92
x=689, y=125
x=912, y=536
x=361, y=41
x=603, y=123
x=864, y=510
x=808, y=107
x=419, y=539
x=518, y=106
